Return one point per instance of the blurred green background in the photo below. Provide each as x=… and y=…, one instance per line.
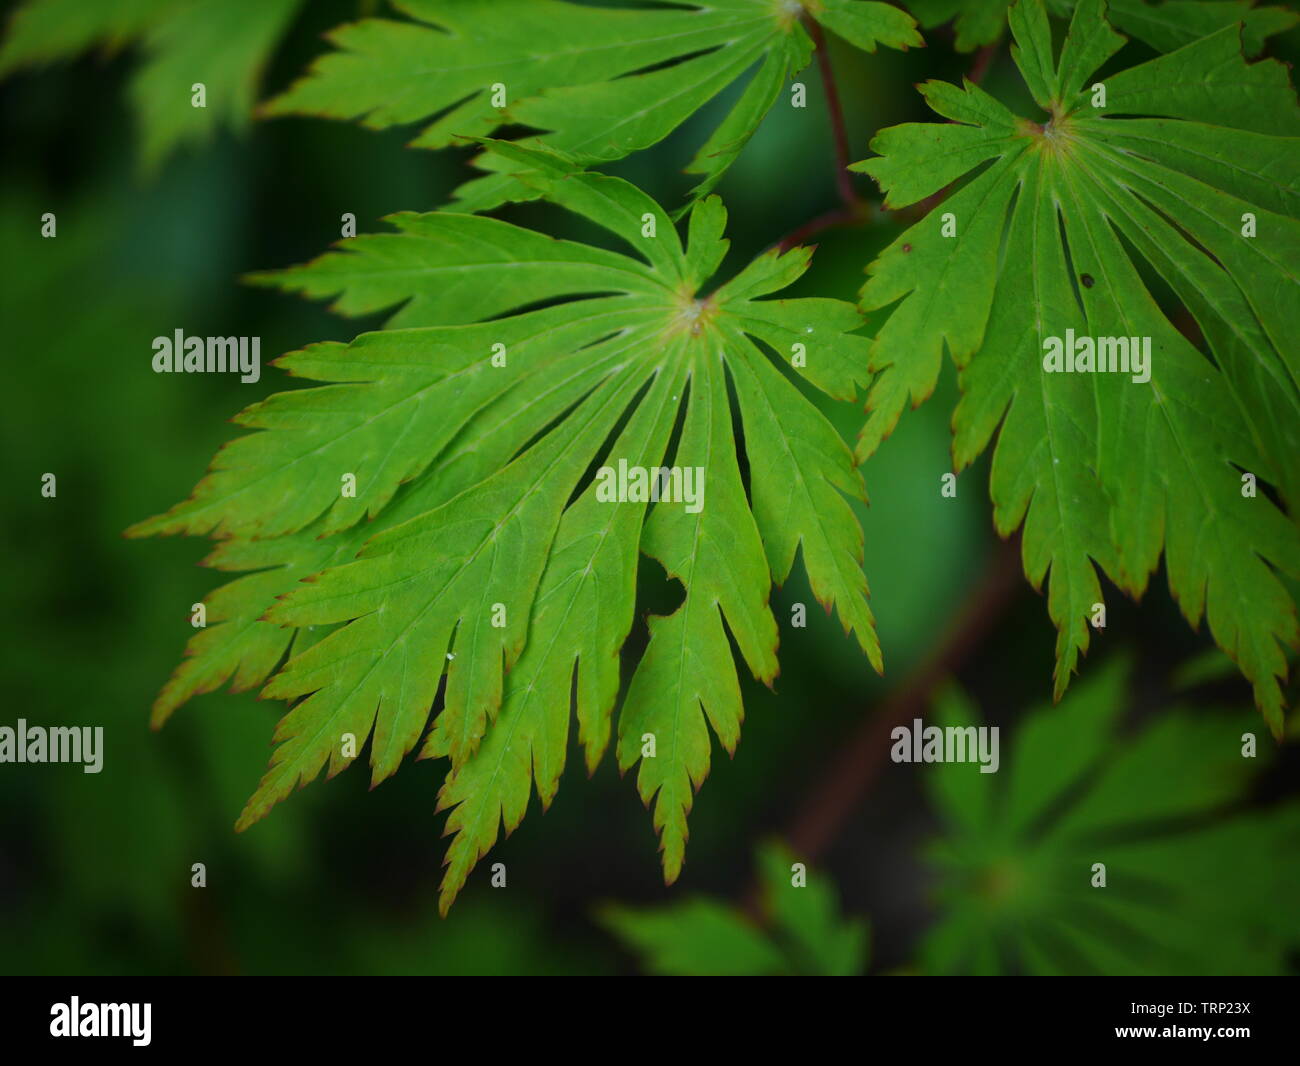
x=95, y=869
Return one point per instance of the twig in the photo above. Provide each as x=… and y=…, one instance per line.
x=854, y=770
x=841, y=216
x=858, y=762
x=860, y=759
x=983, y=60
x=843, y=180
x=853, y=208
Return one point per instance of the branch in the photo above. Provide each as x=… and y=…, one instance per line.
x=841, y=216
x=854, y=770
x=843, y=180
x=983, y=60
x=853, y=209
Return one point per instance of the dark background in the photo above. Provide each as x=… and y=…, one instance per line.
x=95, y=869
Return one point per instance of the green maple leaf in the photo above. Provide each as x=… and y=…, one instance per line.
x=1165, y=25
x=802, y=933
x=491, y=548
x=603, y=82
x=1155, y=806
x=221, y=44
x=1059, y=227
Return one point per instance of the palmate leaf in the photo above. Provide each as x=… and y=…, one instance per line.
x=1059, y=227
x=803, y=933
x=492, y=559
x=602, y=81
x=1165, y=25
x=224, y=45
x=1157, y=806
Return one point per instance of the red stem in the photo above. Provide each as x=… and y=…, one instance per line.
x=841, y=216
x=843, y=180
x=850, y=777
x=983, y=60
x=858, y=761
x=855, y=767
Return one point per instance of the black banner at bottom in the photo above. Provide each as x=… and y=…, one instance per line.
x=340, y=1015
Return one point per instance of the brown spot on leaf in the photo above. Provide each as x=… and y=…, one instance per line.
x=1086, y=280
